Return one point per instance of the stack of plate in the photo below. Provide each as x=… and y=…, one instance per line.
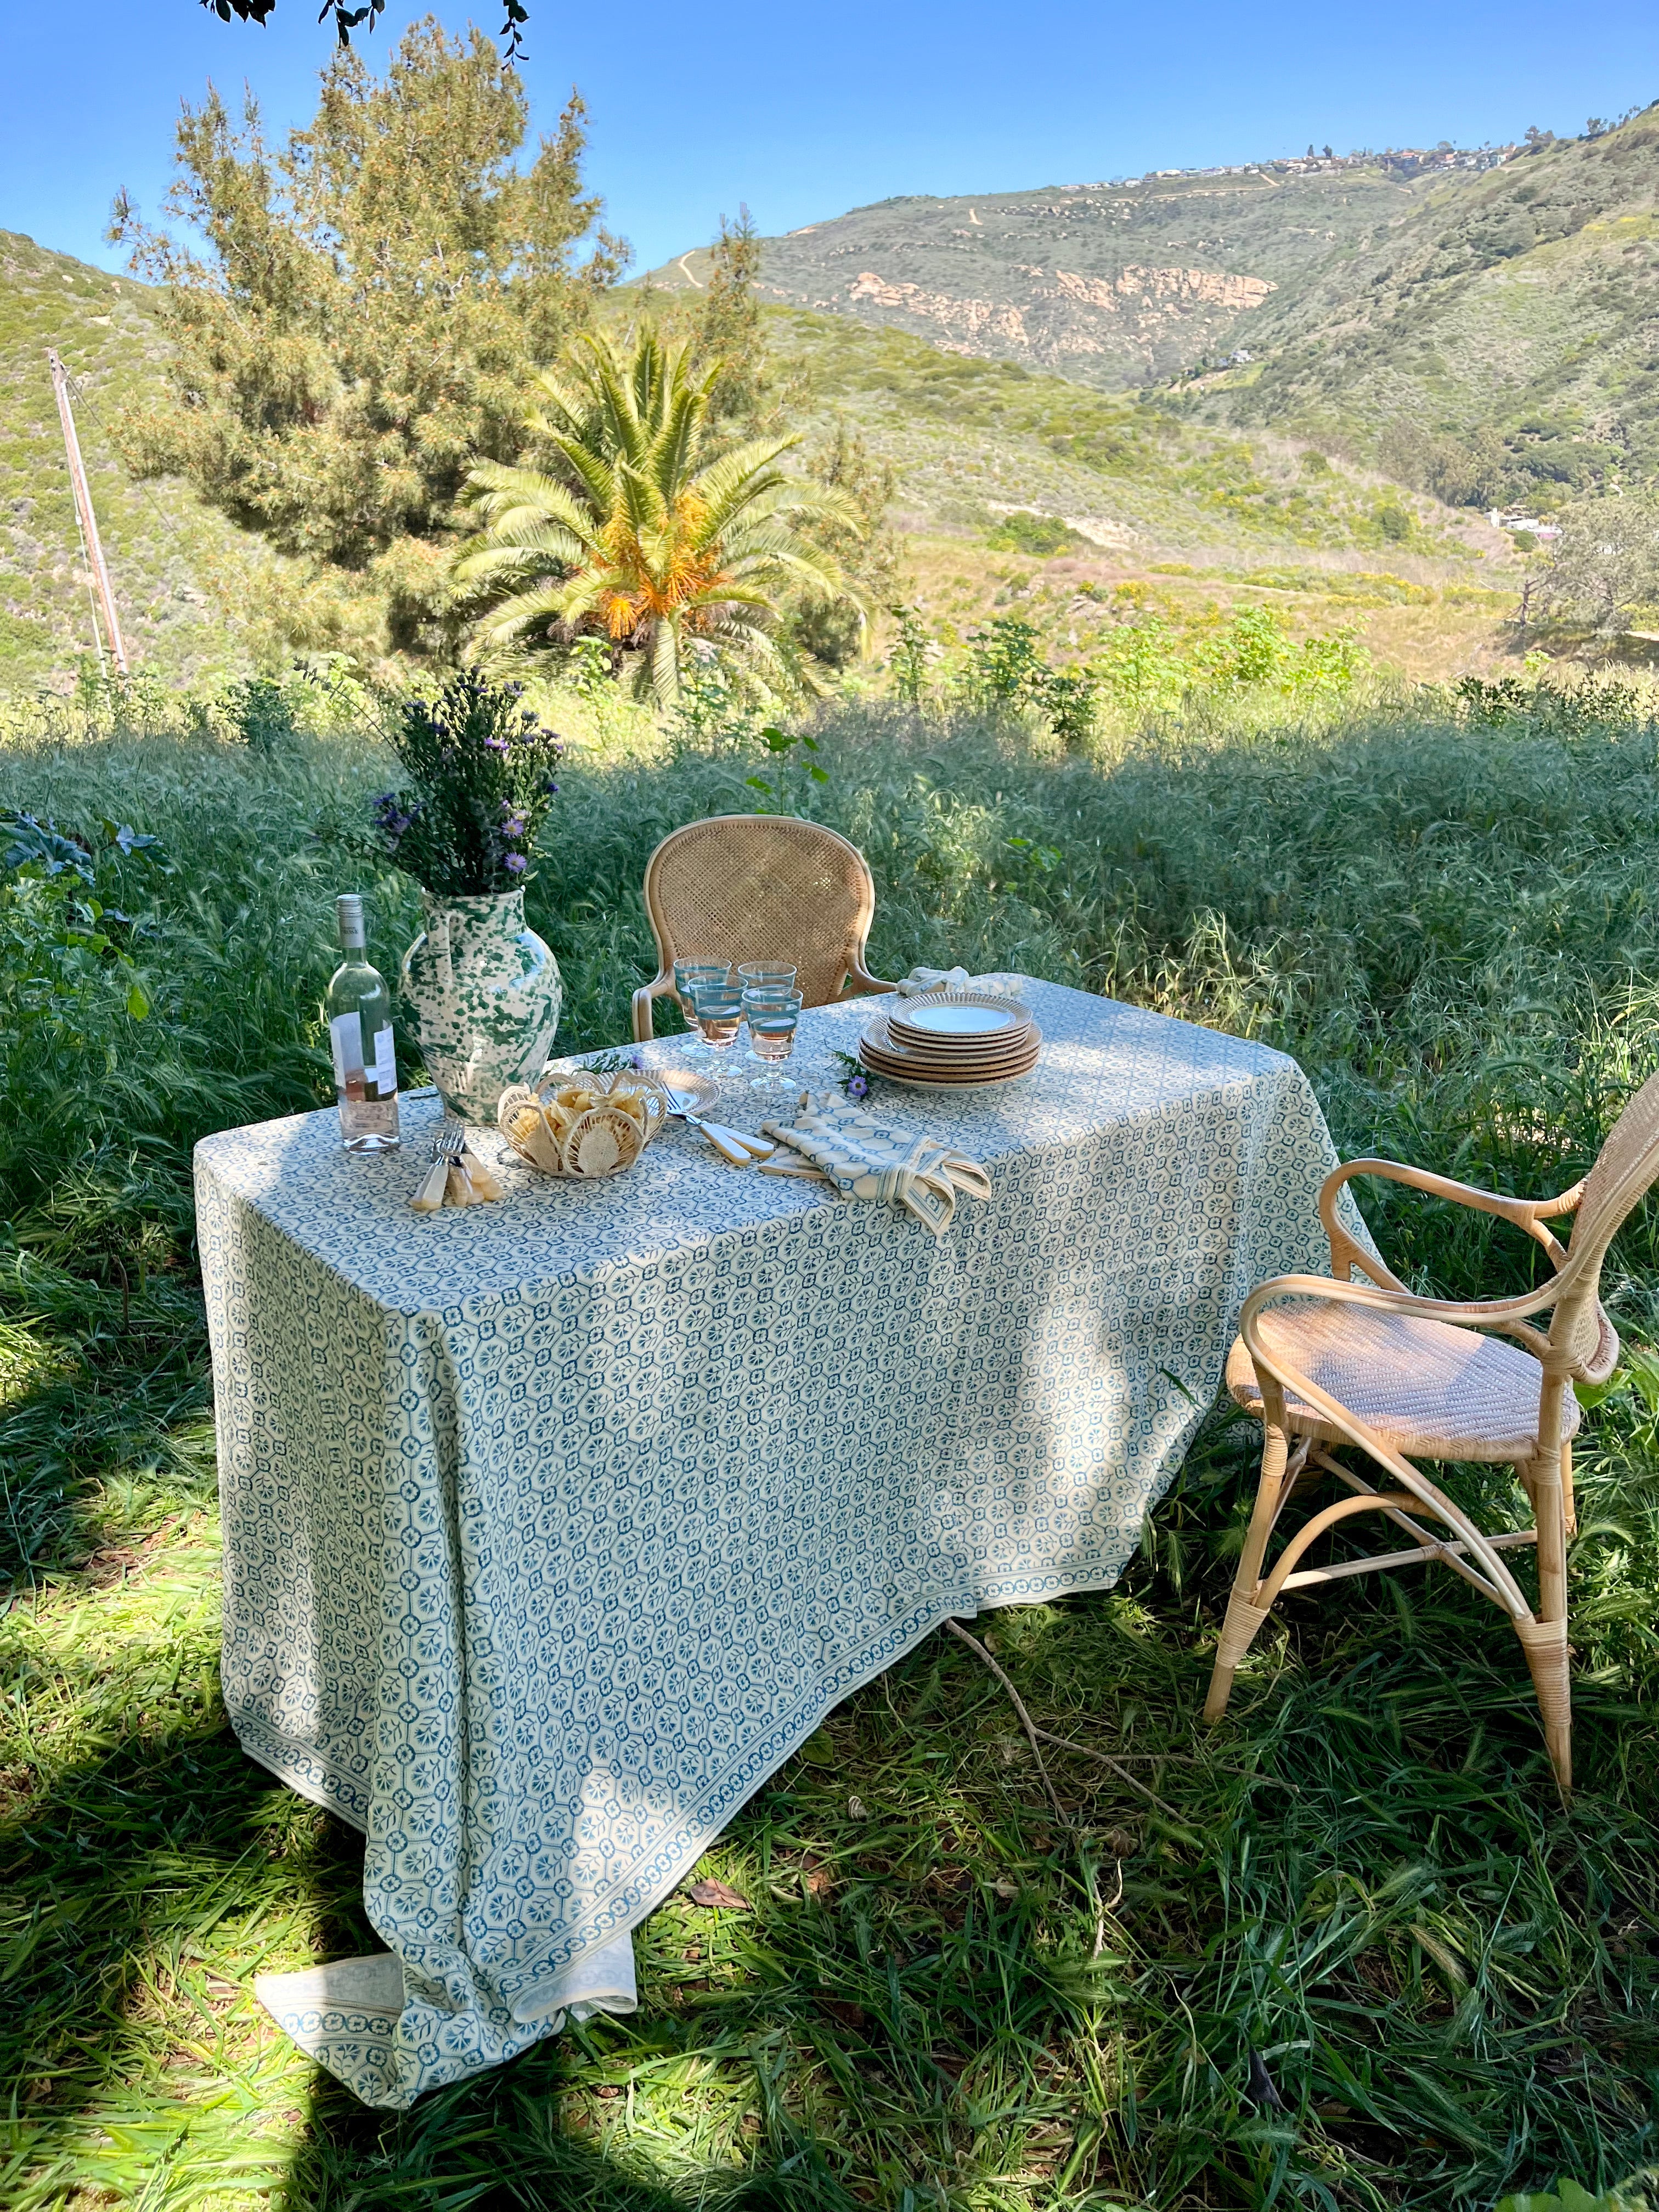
x=961, y=1040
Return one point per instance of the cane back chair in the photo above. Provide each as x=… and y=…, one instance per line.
x=1399, y=1378
x=760, y=887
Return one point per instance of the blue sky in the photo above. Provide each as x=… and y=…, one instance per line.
x=803, y=112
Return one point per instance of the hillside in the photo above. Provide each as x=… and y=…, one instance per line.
x=1127, y=487
x=1521, y=306
x=176, y=566
x=1123, y=497
x=1114, y=285
x=1480, y=324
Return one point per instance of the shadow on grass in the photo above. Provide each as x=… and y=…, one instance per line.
x=1363, y=1894
x=1361, y=1885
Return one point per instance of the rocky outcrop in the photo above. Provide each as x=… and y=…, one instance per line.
x=971, y=318
x=1155, y=289
x=1062, y=313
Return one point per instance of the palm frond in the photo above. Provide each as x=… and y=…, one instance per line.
x=640, y=503
x=512, y=616
x=717, y=479
x=676, y=442
x=480, y=562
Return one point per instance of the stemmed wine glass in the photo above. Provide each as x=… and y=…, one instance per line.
x=688, y=976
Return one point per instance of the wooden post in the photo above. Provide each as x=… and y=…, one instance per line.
x=84, y=510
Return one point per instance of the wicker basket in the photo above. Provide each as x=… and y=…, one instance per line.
x=586, y=1127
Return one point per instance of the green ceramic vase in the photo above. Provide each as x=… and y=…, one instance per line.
x=486, y=994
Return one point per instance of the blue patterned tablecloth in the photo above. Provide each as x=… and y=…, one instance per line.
x=553, y=1527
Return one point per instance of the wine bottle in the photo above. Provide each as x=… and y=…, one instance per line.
x=358, y=1012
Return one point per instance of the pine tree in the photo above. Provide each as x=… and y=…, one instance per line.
x=728, y=328
x=373, y=297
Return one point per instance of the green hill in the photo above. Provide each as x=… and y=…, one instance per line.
x=1479, y=323
x=1121, y=483
x=178, y=569
x=1114, y=285
x=971, y=439
x=1022, y=492
x=1522, y=305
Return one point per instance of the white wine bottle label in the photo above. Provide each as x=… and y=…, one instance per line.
x=346, y=1033
x=386, y=1063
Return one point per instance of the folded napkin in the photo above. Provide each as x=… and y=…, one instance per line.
x=867, y=1158
x=957, y=979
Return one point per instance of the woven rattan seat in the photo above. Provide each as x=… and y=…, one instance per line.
x=1425, y=1388
x=743, y=887
x=1328, y=1363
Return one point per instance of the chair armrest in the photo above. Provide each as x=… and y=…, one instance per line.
x=859, y=980
x=1507, y=1315
x=644, y=1027
x=1529, y=1214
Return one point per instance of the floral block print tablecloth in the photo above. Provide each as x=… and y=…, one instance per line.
x=553, y=1527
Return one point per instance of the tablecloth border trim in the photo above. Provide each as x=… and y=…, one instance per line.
x=303, y=1769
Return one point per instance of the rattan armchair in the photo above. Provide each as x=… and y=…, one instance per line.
x=760, y=887
x=1327, y=1365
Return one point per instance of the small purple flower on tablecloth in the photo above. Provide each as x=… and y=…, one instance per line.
x=858, y=1086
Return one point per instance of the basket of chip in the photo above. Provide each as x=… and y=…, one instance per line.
x=582, y=1125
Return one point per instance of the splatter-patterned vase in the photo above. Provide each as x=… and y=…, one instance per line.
x=486, y=994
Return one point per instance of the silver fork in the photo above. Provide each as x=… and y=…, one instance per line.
x=448, y=1143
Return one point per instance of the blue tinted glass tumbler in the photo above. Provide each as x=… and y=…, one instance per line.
x=717, y=1004
x=773, y=1016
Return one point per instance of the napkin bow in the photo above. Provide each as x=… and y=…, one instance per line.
x=958, y=979
x=864, y=1158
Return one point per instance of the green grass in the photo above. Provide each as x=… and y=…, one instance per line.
x=1362, y=1885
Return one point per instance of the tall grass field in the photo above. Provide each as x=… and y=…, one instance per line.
x=1349, y=1950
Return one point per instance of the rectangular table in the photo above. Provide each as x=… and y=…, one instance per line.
x=553, y=1527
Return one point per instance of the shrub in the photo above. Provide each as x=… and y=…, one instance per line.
x=1039, y=535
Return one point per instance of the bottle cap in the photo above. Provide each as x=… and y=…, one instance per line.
x=349, y=909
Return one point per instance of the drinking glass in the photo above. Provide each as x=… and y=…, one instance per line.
x=766, y=975
x=717, y=1007
x=688, y=976
x=772, y=1016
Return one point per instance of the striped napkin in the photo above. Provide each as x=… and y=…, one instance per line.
x=864, y=1158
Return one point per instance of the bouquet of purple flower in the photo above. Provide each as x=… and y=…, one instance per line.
x=480, y=770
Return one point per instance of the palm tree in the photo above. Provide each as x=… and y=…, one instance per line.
x=633, y=535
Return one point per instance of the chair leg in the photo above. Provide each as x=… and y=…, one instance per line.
x=1239, y=1632
x=1244, y=1619
x=1545, y=1643
x=1545, y=1639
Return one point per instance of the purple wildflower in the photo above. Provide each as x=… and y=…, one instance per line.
x=495, y=743
x=515, y=864
x=858, y=1086
x=389, y=817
